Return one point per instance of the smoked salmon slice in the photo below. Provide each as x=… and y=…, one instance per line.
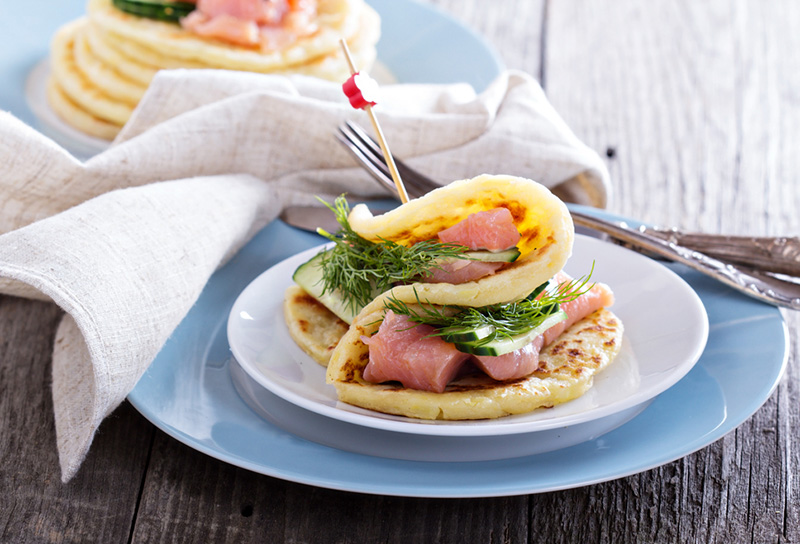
x=405, y=352
x=271, y=23
x=515, y=364
x=222, y=27
x=258, y=11
x=599, y=296
x=459, y=271
x=492, y=230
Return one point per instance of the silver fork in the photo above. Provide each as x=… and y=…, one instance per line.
x=754, y=266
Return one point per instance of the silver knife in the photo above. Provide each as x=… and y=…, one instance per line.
x=311, y=218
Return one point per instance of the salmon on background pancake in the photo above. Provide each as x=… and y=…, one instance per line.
x=102, y=64
x=336, y=19
x=566, y=371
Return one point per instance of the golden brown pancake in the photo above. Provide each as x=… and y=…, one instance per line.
x=77, y=116
x=543, y=221
x=312, y=326
x=102, y=64
x=567, y=371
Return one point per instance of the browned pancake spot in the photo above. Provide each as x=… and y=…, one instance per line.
x=516, y=209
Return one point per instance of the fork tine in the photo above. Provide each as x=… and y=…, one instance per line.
x=366, y=151
x=416, y=184
x=369, y=165
x=365, y=143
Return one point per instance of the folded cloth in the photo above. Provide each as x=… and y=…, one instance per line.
x=125, y=241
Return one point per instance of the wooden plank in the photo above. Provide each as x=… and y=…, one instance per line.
x=353, y=518
x=189, y=497
x=697, y=105
x=98, y=505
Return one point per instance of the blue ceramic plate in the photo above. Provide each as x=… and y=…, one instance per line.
x=25, y=32
x=188, y=393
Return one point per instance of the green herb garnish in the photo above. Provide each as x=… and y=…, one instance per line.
x=361, y=269
x=506, y=320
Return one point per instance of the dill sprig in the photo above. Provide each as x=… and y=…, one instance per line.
x=506, y=320
x=361, y=269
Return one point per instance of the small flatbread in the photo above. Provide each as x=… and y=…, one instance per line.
x=138, y=61
x=104, y=47
x=335, y=19
x=569, y=366
x=104, y=76
x=77, y=86
x=543, y=221
x=312, y=326
x=76, y=116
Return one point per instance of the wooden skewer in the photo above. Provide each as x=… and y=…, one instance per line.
x=398, y=182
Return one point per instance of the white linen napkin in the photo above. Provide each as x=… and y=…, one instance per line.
x=126, y=241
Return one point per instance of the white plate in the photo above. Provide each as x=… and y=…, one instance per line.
x=666, y=328
x=415, y=447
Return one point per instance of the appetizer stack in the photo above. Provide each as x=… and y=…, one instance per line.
x=454, y=306
x=102, y=63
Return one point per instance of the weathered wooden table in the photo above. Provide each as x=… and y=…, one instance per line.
x=696, y=108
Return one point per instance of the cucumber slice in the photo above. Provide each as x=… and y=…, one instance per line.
x=501, y=346
x=536, y=292
x=309, y=277
x=505, y=256
x=161, y=11
x=459, y=335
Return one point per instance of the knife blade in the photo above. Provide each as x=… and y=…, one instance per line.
x=311, y=218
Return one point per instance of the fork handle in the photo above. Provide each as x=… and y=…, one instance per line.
x=779, y=254
x=755, y=283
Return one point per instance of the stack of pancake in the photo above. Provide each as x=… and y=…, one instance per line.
x=102, y=63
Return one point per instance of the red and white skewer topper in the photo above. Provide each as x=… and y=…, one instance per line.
x=361, y=90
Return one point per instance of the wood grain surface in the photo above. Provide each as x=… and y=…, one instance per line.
x=696, y=108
